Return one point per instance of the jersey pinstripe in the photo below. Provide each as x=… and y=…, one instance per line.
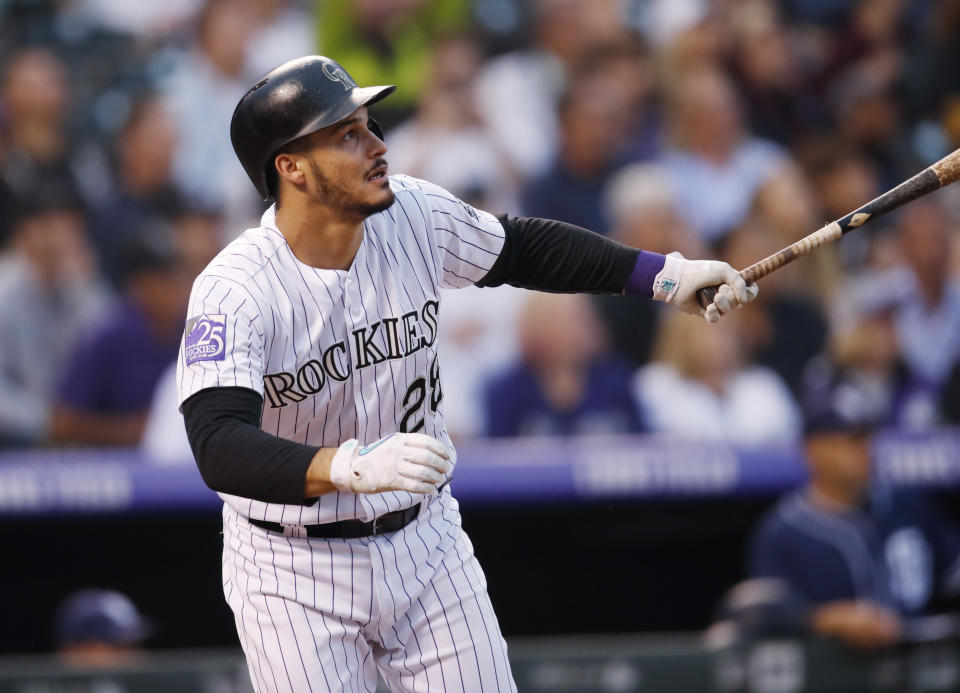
x=338, y=354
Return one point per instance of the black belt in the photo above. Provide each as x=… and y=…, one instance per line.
x=352, y=529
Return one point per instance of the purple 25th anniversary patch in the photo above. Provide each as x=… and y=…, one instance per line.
x=205, y=340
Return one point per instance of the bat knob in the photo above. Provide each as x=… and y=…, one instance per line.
x=706, y=294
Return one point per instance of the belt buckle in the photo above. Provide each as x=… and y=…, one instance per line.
x=377, y=526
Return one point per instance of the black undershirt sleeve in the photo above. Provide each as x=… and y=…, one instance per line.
x=549, y=255
x=235, y=456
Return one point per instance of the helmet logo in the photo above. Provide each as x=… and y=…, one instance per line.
x=335, y=73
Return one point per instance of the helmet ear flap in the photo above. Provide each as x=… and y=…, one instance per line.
x=374, y=127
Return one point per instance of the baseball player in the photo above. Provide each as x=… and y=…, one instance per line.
x=313, y=401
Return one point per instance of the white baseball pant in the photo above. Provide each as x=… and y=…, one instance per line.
x=325, y=615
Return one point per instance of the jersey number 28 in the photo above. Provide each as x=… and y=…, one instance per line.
x=414, y=399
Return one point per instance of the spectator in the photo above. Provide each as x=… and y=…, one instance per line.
x=712, y=393
x=571, y=188
x=843, y=179
x=778, y=103
x=565, y=383
x=928, y=321
x=786, y=329
x=930, y=83
x=143, y=189
x=864, y=354
x=112, y=374
x=147, y=21
x=518, y=92
x=197, y=233
x=866, y=558
x=868, y=115
x=479, y=339
x=641, y=202
x=445, y=141
x=717, y=168
x=787, y=203
x=863, y=52
x=284, y=32
x=99, y=628
x=49, y=292
x=201, y=92
x=686, y=33
x=628, y=64
x=785, y=209
x=35, y=143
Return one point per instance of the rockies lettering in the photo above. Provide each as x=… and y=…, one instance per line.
x=419, y=330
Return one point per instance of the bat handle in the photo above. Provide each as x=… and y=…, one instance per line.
x=706, y=294
x=750, y=275
x=948, y=168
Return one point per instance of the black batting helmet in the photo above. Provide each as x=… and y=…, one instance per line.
x=299, y=97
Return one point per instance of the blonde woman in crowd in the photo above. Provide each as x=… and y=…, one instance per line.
x=699, y=386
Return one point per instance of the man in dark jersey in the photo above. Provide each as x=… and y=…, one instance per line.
x=869, y=559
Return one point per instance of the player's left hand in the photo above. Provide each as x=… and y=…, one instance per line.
x=680, y=279
x=412, y=462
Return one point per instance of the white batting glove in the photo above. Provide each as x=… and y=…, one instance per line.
x=398, y=462
x=680, y=279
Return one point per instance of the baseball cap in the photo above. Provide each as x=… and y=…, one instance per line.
x=99, y=615
x=844, y=408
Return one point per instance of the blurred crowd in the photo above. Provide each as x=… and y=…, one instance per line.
x=716, y=128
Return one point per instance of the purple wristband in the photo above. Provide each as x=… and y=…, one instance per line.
x=640, y=281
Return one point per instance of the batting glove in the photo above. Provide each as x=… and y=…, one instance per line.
x=680, y=279
x=398, y=462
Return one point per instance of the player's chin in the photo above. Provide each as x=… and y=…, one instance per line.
x=385, y=195
x=380, y=201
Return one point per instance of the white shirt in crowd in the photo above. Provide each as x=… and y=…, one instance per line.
x=755, y=407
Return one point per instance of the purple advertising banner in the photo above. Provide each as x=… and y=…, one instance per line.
x=507, y=471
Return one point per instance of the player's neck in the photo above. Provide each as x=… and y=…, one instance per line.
x=832, y=497
x=319, y=238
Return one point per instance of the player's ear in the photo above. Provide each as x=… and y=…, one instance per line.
x=290, y=167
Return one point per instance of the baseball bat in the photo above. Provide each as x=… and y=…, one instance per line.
x=939, y=175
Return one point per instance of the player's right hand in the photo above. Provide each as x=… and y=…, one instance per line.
x=680, y=279
x=398, y=462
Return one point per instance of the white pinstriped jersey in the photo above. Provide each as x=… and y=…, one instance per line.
x=338, y=354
